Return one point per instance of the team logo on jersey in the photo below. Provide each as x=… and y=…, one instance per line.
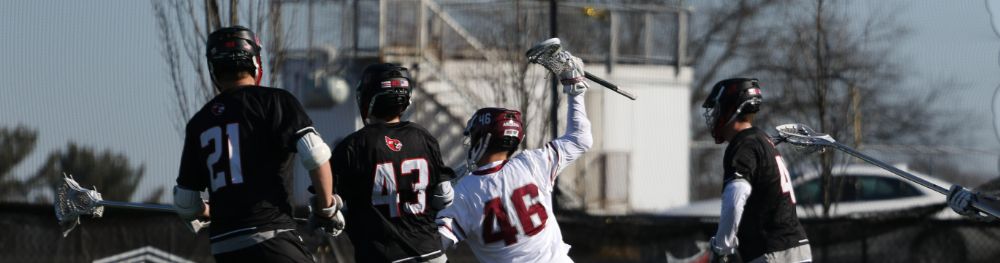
x=394, y=145
x=218, y=108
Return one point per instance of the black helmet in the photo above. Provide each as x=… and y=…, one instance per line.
x=729, y=99
x=234, y=47
x=384, y=90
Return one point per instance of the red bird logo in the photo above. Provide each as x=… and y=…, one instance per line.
x=394, y=145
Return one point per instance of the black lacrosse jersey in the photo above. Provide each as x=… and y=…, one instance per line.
x=239, y=146
x=385, y=173
x=769, y=222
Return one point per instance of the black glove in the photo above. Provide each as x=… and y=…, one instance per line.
x=961, y=200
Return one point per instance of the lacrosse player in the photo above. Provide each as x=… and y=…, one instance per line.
x=758, y=217
x=239, y=146
x=391, y=175
x=503, y=208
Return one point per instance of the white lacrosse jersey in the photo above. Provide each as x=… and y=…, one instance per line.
x=504, y=209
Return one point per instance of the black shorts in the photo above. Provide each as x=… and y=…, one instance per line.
x=284, y=247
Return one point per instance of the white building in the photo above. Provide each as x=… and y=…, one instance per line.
x=639, y=163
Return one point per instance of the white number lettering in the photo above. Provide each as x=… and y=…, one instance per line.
x=235, y=167
x=385, y=189
x=214, y=136
x=419, y=186
x=786, y=181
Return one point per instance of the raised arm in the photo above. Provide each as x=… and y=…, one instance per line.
x=578, y=138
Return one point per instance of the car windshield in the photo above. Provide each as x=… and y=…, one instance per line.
x=855, y=188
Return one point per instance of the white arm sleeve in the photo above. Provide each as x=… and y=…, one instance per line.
x=187, y=203
x=574, y=142
x=312, y=150
x=734, y=197
x=448, y=226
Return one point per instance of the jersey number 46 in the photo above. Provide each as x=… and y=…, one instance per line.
x=496, y=216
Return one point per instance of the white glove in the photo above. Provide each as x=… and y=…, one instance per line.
x=721, y=252
x=572, y=76
x=442, y=196
x=960, y=199
x=330, y=219
x=196, y=225
x=722, y=249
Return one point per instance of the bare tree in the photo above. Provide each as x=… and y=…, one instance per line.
x=720, y=34
x=512, y=81
x=183, y=27
x=820, y=66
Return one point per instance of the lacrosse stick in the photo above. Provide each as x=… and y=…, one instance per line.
x=550, y=55
x=72, y=201
x=802, y=136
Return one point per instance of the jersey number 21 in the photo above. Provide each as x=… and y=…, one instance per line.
x=214, y=137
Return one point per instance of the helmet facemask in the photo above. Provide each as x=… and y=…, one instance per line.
x=490, y=130
x=729, y=99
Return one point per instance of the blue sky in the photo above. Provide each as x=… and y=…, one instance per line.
x=91, y=72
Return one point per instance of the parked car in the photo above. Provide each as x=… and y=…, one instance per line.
x=867, y=191
x=858, y=190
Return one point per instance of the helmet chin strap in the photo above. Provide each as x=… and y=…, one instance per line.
x=732, y=118
x=259, y=70
x=476, y=152
x=371, y=106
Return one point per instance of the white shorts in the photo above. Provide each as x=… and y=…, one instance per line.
x=792, y=255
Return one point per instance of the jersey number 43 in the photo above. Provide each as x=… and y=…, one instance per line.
x=496, y=216
x=385, y=191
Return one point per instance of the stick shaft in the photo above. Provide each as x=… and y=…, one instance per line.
x=608, y=85
x=986, y=205
x=987, y=208
x=156, y=207
x=138, y=206
x=982, y=206
x=890, y=168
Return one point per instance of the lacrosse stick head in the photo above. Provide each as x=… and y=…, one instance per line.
x=548, y=54
x=804, y=138
x=72, y=201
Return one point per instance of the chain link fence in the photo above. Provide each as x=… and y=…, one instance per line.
x=31, y=234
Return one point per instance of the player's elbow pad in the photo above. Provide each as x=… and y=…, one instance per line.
x=312, y=151
x=187, y=203
x=443, y=196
